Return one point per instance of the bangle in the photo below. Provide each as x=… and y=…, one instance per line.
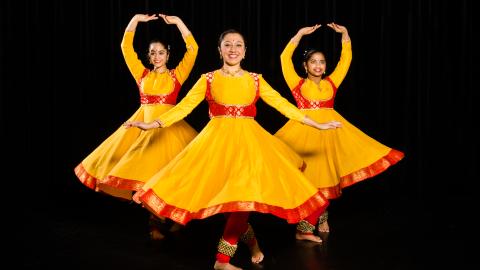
x=158, y=122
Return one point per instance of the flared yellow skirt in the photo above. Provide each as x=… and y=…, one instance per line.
x=232, y=165
x=337, y=158
x=129, y=157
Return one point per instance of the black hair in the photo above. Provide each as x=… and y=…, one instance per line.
x=166, y=46
x=230, y=31
x=307, y=54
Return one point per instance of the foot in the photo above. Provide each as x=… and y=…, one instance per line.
x=156, y=235
x=323, y=227
x=175, y=227
x=308, y=237
x=257, y=254
x=224, y=266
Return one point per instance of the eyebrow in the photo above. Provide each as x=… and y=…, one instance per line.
x=228, y=41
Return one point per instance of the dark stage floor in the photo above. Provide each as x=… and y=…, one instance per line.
x=94, y=231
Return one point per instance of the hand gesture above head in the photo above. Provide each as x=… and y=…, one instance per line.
x=170, y=19
x=337, y=27
x=308, y=30
x=146, y=17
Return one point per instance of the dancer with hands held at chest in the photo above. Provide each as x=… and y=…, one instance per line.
x=234, y=166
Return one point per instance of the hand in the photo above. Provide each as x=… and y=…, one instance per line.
x=337, y=28
x=330, y=125
x=308, y=30
x=327, y=125
x=170, y=19
x=141, y=125
x=145, y=17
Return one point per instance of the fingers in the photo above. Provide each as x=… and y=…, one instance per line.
x=152, y=17
x=129, y=124
x=334, y=124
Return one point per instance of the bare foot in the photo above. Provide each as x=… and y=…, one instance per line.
x=224, y=266
x=156, y=235
x=257, y=254
x=308, y=237
x=323, y=227
x=175, y=227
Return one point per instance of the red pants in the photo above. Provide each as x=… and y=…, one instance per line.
x=237, y=224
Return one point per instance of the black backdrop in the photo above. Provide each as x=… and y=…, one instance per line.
x=65, y=87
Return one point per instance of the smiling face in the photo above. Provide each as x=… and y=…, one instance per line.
x=232, y=49
x=315, y=65
x=158, y=55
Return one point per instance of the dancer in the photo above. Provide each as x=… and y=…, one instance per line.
x=336, y=158
x=128, y=158
x=233, y=166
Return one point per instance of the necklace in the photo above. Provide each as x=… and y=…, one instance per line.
x=230, y=73
x=160, y=72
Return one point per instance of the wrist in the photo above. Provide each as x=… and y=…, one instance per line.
x=157, y=123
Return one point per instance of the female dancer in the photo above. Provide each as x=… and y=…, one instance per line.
x=233, y=166
x=336, y=158
x=128, y=158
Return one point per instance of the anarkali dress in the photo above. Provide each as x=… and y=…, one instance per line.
x=335, y=158
x=129, y=157
x=233, y=164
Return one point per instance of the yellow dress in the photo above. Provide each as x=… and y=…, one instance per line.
x=129, y=157
x=335, y=158
x=233, y=164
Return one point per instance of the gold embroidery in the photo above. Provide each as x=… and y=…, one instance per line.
x=305, y=227
x=226, y=248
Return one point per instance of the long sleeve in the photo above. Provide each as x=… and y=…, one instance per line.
x=134, y=64
x=185, y=66
x=343, y=64
x=281, y=104
x=187, y=104
x=288, y=70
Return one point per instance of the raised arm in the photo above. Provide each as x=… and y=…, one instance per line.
x=178, y=22
x=343, y=64
x=288, y=70
x=131, y=58
x=185, y=66
x=132, y=25
x=340, y=29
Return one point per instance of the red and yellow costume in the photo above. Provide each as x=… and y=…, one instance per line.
x=233, y=165
x=129, y=157
x=335, y=158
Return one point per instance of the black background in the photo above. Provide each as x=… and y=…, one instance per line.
x=65, y=88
